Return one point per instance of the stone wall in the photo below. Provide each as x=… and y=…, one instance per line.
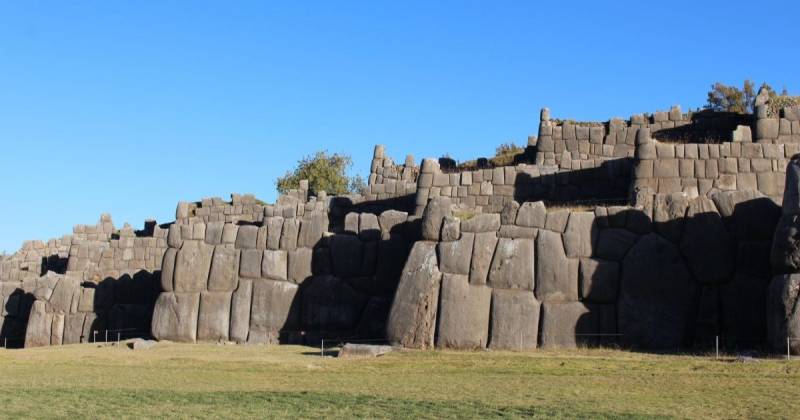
x=286, y=279
x=704, y=169
x=666, y=276
x=99, y=278
x=780, y=129
x=388, y=180
x=783, y=312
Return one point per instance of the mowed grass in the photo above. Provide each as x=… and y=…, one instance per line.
x=213, y=381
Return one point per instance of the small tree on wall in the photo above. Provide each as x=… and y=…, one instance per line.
x=324, y=172
x=726, y=98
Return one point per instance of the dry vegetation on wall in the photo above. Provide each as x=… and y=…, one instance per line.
x=506, y=154
x=213, y=381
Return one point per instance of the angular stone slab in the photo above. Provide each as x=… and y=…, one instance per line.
x=168, y=270
x=482, y=254
x=573, y=324
x=412, y=318
x=515, y=320
x=192, y=266
x=175, y=316
x=250, y=263
x=783, y=314
x=464, y=318
x=580, y=234
x=556, y=275
x=706, y=243
x=213, y=320
x=39, y=323
x=274, y=309
x=513, y=265
x=241, y=302
x=275, y=265
x=300, y=265
x=224, y=274
x=454, y=257
x=657, y=292
x=599, y=280
x=532, y=214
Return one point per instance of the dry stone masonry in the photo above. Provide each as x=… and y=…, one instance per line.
x=659, y=232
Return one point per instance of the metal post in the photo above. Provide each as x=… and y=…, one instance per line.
x=94, y=336
x=788, y=349
x=322, y=348
x=716, y=342
x=118, y=334
x=106, y=336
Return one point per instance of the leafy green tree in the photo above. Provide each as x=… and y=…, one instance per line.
x=722, y=97
x=324, y=172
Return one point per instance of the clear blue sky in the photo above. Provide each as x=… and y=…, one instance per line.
x=129, y=107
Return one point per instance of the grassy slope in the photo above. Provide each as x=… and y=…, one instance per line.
x=239, y=381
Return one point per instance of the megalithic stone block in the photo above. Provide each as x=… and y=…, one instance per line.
x=412, y=318
x=175, y=317
x=515, y=320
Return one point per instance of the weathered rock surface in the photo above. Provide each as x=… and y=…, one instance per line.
x=570, y=324
x=351, y=351
x=464, y=317
x=513, y=265
x=213, y=321
x=412, y=318
x=274, y=309
x=192, y=266
x=599, y=280
x=783, y=314
x=515, y=320
x=656, y=296
x=454, y=257
x=706, y=243
x=175, y=316
x=556, y=275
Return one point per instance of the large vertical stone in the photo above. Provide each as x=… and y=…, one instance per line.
x=580, y=234
x=240, y=311
x=311, y=229
x=224, y=275
x=300, y=265
x=433, y=217
x=39, y=323
x=331, y=304
x=412, y=318
x=464, y=318
x=783, y=314
x=274, y=310
x=513, y=265
x=482, y=253
x=556, y=275
x=599, y=280
x=73, y=327
x=454, y=257
x=175, y=316
x=192, y=266
x=275, y=265
x=706, y=243
x=214, y=319
x=57, y=330
x=567, y=325
x=656, y=296
x=515, y=320
x=168, y=270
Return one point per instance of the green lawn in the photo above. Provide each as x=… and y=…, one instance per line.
x=290, y=381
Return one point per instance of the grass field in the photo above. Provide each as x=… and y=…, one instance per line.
x=289, y=381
